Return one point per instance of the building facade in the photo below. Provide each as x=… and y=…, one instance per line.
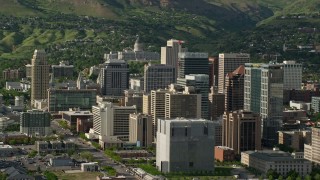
x=228, y=63
x=63, y=99
x=193, y=63
x=62, y=70
x=158, y=76
x=39, y=76
x=114, y=78
x=241, y=131
x=315, y=104
x=9, y=74
x=178, y=152
x=216, y=102
x=234, y=89
x=140, y=129
x=292, y=75
x=35, y=123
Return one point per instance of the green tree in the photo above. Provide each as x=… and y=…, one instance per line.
x=317, y=177
x=50, y=176
x=272, y=173
x=292, y=174
x=308, y=177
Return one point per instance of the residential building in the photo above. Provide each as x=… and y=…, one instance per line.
x=241, y=131
x=228, y=62
x=158, y=76
x=263, y=93
x=90, y=167
x=295, y=139
x=112, y=121
x=62, y=70
x=312, y=150
x=39, y=76
x=140, y=130
x=12, y=74
x=114, y=77
x=201, y=84
x=292, y=75
x=279, y=161
x=35, y=123
x=216, y=102
x=185, y=145
x=63, y=99
x=193, y=63
x=315, y=104
x=169, y=53
x=223, y=153
x=234, y=90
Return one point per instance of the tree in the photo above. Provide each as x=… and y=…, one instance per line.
x=308, y=177
x=317, y=177
x=292, y=174
x=272, y=173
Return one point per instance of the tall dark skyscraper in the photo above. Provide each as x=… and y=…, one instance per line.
x=192, y=63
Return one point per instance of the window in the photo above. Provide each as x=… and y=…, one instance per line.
x=190, y=164
x=172, y=132
x=186, y=131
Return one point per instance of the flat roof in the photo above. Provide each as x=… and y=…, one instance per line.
x=85, y=113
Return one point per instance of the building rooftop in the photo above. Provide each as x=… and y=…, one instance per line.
x=76, y=113
x=272, y=155
x=224, y=147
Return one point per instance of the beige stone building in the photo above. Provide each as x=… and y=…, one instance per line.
x=311, y=152
x=295, y=139
x=140, y=129
x=39, y=76
x=146, y=107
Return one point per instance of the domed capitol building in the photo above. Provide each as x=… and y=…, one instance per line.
x=138, y=54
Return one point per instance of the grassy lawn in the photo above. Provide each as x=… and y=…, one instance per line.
x=112, y=155
x=149, y=169
x=63, y=124
x=77, y=176
x=110, y=170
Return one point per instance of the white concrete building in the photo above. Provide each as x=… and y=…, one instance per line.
x=111, y=120
x=281, y=162
x=89, y=167
x=292, y=75
x=185, y=145
x=5, y=122
x=300, y=105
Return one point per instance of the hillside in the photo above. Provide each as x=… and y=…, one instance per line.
x=82, y=30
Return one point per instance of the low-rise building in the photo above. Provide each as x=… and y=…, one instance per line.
x=72, y=116
x=295, y=139
x=5, y=122
x=44, y=147
x=84, y=124
x=300, y=105
x=223, y=153
x=7, y=150
x=89, y=167
x=61, y=161
x=281, y=162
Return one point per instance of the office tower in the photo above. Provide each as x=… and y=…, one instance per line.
x=158, y=76
x=228, y=63
x=63, y=99
x=315, y=104
x=146, y=104
x=192, y=63
x=169, y=53
x=112, y=121
x=292, y=75
x=39, y=76
x=35, y=123
x=216, y=104
x=234, y=90
x=182, y=105
x=241, y=131
x=114, y=78
x=263, y=93
x=213, y=71
x=62, y=70
x=201, y=83
x=311, y=151
x=132, y=97
x=185, y=145
x=157, y=106
x=140, y=129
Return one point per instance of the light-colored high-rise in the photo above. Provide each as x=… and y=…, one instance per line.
x=158, y=76
x=185, y=145
x=241, y=131
x=140, y=129
x=146, y=107
x=312, y=151
x=169, y=53
x=39, y=76
x=263, y=93
x=157, y=102
x=112, y=121
x=292, y=75
x=228, y=63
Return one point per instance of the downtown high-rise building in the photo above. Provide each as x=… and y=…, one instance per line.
x=228, y=63
x=140, y=130
x=192, y=63
x=39, y=76
x=35, y=123
x=169, y=53
x=201, y=84
x=234, y=84
x=114, y=77
x=158, y=76
x=292, y=75
x=263, y=93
